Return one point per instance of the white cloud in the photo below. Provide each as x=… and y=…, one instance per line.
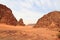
x=25, y=4
x=46, y=3
x=21, y=8
x=28, y=16
x=57, y=5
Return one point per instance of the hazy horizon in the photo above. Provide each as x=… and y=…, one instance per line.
x=31, y=10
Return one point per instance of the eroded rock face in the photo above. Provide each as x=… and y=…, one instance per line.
x=51, y=19
x=6, y=16
x=21, y=23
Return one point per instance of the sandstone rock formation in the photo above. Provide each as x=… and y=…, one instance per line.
x=6, y=16
x=50, y=20
x=21, y=23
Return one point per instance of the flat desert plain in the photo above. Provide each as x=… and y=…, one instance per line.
x=8, y=32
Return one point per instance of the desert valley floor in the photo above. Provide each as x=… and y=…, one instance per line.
x=8, y=32
x=46, y=28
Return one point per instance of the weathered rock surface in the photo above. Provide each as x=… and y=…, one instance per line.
x=6, y=15
x=20, y=22
x=50, y=20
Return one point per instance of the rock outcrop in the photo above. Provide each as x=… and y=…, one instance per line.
x=50, y=20
x=20, y=22
x=6, y=15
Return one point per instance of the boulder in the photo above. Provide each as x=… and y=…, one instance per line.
x=20, y=22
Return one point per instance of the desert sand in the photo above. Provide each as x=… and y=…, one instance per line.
x=17, y=30
x=8, y=32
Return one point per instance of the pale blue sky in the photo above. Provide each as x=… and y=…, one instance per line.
x=31, y=10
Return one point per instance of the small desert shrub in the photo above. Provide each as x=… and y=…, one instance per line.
x=58, y=35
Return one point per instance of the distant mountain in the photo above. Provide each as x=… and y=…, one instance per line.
x=50, y=20
x=30, y=24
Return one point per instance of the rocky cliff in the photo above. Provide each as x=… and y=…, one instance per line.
x=6, y=15
x=50, y=20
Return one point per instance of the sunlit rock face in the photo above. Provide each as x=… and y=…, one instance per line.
x=20, y=22
x=6, y=15
x=50, y=20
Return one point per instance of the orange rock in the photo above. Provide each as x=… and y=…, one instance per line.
x=49, y=20
x=6, y=15
x=20, y=22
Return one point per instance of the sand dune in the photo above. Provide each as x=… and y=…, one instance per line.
x=8, y=32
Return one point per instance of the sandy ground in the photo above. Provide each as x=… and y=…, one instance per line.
x=8, y=32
